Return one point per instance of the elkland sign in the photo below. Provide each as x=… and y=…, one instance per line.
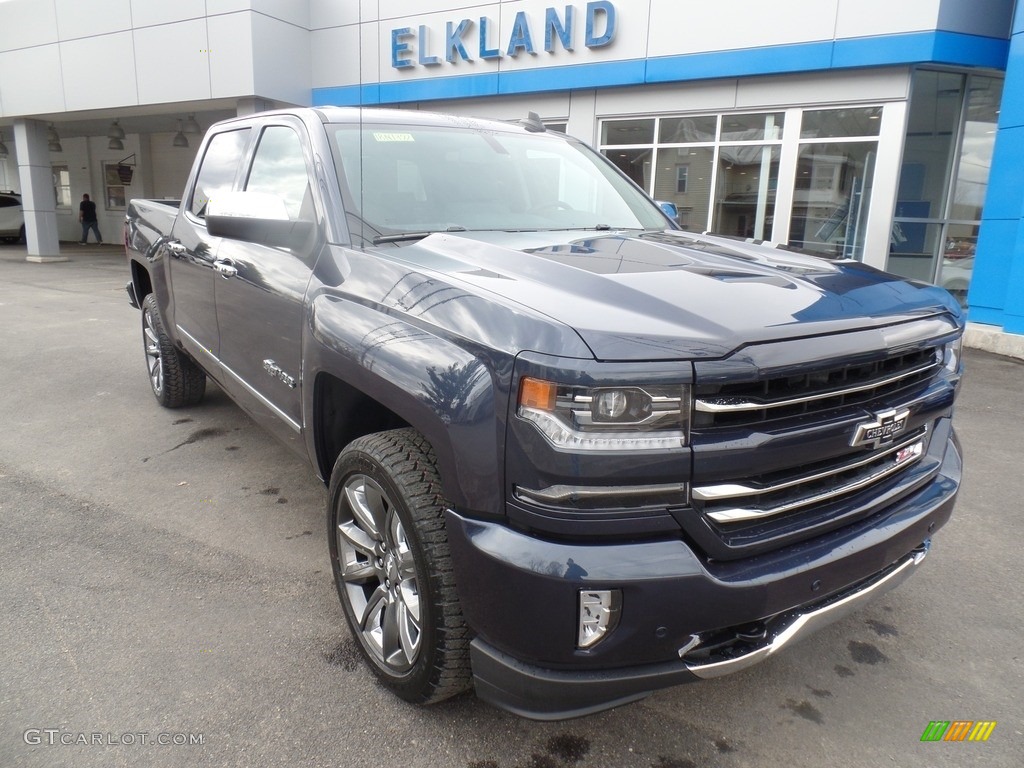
x=469, y=39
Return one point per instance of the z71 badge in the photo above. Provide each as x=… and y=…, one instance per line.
x=883, y=429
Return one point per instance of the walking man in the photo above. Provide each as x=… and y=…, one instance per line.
x=87, y=216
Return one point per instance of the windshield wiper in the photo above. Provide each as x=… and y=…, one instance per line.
x=404, y=236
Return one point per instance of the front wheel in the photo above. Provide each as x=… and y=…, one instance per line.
x=392, y=565
x=176, y=381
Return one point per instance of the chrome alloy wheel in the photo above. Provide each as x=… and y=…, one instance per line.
x=379, y=574
x=151, y=343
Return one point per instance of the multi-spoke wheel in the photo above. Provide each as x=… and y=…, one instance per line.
x=173, y=377
x=392, y=566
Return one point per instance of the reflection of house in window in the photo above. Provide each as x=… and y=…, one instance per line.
x=682, y=178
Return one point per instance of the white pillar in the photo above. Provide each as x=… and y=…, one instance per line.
x=37, y=198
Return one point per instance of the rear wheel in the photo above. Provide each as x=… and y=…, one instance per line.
x=392, y=566
x=176, y=381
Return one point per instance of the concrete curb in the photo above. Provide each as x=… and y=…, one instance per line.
x=990, y=338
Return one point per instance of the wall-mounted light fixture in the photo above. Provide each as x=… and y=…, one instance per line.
x=115, y=131
x=191, y=126
x=54, y=139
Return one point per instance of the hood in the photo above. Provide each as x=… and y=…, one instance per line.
x=674, y=295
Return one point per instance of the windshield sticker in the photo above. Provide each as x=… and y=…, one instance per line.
x=393, y=137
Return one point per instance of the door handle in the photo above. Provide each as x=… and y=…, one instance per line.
x=177, y=249
x=225, y=268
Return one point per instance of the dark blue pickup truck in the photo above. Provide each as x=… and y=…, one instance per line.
x=574, y=454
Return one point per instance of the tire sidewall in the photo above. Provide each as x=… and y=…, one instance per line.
x=410, y=684
x=149, y=309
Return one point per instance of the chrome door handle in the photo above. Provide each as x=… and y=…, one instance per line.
x=176, y=248
x=225, y=268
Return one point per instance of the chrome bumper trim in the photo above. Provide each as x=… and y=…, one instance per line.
x=807, y=623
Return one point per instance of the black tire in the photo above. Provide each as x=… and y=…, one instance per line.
x=175, y=380
x=393, y=568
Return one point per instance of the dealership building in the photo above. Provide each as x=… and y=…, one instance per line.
x=887, y=132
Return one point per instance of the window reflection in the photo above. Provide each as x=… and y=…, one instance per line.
x=279, y=169
x=748, y=177
x=831, y=198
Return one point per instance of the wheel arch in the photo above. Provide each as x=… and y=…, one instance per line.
x=372, y=372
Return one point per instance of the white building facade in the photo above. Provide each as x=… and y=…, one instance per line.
x=851, y=128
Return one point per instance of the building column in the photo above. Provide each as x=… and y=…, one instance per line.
x=37, y=201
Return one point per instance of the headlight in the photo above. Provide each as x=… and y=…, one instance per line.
x=952, y=354
x=607, y=418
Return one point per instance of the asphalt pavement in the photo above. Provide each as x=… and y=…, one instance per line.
x=167, y=599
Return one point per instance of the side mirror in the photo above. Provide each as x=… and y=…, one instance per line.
x=256, y=217
x=669, y=209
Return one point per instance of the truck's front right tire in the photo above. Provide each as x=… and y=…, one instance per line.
x=392, y=565
x=176, y=381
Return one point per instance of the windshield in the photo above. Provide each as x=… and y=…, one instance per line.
x=408, y=179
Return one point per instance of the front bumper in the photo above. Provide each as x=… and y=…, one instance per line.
x=523, y=602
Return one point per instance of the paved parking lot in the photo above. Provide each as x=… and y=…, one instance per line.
x=165, y=578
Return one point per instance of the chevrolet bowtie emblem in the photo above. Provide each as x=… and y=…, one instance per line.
x=883, y=429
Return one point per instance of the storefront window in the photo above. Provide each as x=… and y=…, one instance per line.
x=684, y=178
x=687, y=130
x=840, y=123
x=958, y=260
x=635, y=163
x=620, y=132
x=720, y=171
x=944, y=178
x=832, y=190
x=982, y=114
x=748, y=177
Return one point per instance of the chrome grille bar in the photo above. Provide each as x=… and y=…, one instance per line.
x=735, y=405
x=740, y=514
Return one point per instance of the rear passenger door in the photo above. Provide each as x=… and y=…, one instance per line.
x=193, y=251
x=261, y=303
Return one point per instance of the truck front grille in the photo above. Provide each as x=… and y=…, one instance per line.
x=778, y=397
x=781, y=457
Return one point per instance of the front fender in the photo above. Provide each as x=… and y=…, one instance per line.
x=453, y=397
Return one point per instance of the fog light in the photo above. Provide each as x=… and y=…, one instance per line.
x=599, y=615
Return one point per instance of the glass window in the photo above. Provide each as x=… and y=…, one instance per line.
x=748, y=176
x=279, y=168
x=635, y=163
x=840, y=123
x=219, y=168
x=114, y=186
x=618, y=132
x=685, y=130
x=831, y=197
x=752, y=127
x=943, y=181
x=971, y=183
x=408, y=179
x=912, y=246
x=684, y=179
x=958, y=260
x=62, y=186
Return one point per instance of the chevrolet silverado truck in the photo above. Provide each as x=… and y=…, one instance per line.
x=574, y=454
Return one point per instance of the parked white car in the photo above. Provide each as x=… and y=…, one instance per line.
x=12, y=218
